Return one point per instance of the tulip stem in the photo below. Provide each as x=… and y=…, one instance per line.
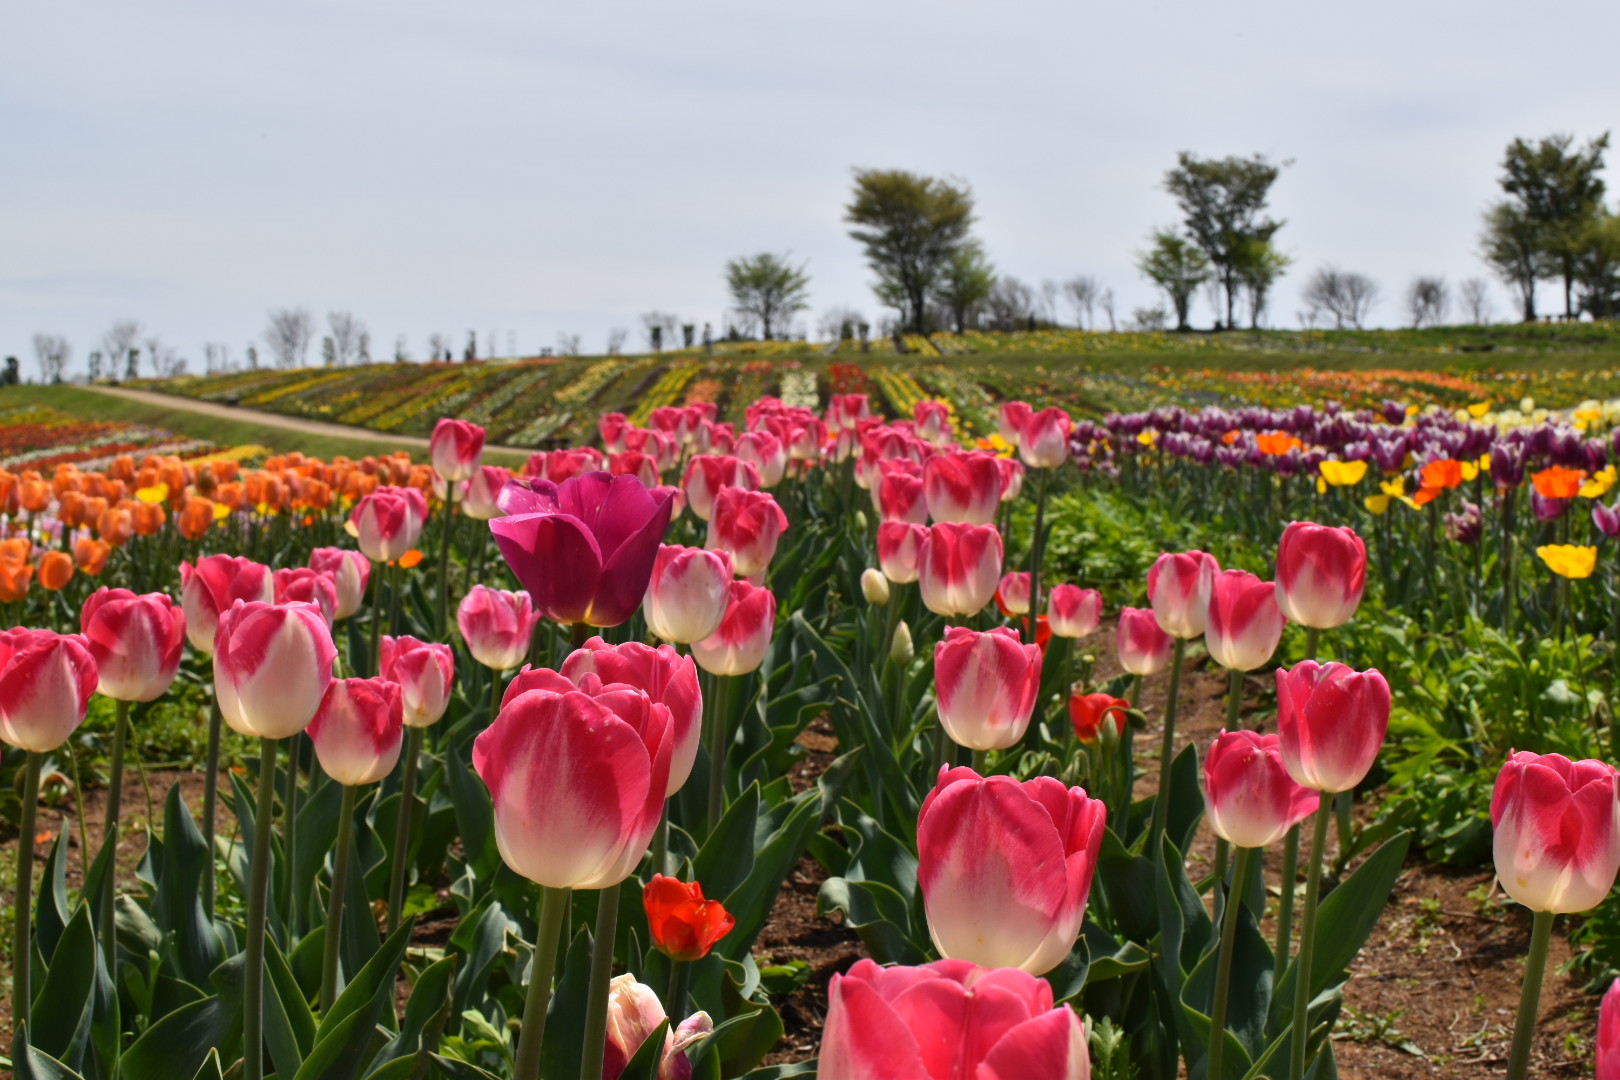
x=1221, y=852
x=1535, y=967
x=1234, y=700
x=1223, y=967
x=675, y=998
x=109, y=832
x=1285, y=903
x=1307, y=937
x=1313, y=637
x=594, y=1048
x=1161, y=801
x=402, y=829
x=980, y=757
x=334, y=900
x=553, y=909
x=494, y=695
x=444, y=562
x=395, y=586
x=376, y=616
x=660, y=848
x=289, y=827
x=717, y=748
x=209, y=807
x=22, y=953
x=1036, y=552
x=258, y=900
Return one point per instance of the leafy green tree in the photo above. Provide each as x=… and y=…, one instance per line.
x=1513, y=245
x=1559, y=189
x=1224, y=201
x=1178, y=266
x=911, y=226
x=965, y=282
x=767, y=289
x=1259, y=265
x=1598, y=269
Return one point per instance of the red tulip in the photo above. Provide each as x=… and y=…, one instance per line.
x=1608, y=1034
x=272, y=665
x=212, y=586
x=1179, y=587
x=1012, y=593
x=578, y=780
x=310, y=586
x=1010, y=420
x=497, y=626
x=948, y=1020
x=739, y=646
x=747, y=524
x=1043, y=441
x=707, y=474
x=455, y=448
x=1073, y=612
x=986, y=684
x=46, y=680
x=1331, y=720
x=584, y=548
x=688, y=593
x=634, y=1013
x=426, y=674
x=664, y=675
x=899, y=547
x=1557, y=823
x=1245, y=623
x=1321, y=572
x=349, y=570
x=135, y=640
x=1253, y=802
x=481, y=502
x=358, y=729
x=765, y=452
x=1005, y=868
x=899, y=494
x=1088, y=713
x=388, y=522
x=962, y=486
x=1144, y=649
x=684, y=926
x=958, y=568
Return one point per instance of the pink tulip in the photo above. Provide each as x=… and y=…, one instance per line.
x=1608, y=1032
x=948, y=1020
x=688, y=593
x=805, y=440
x=664, y=675
x=1010, y=420
x=1253, y=802
x=643, y=467
x=1005, y=867
x=1144, y=649
x=310, y=586
x=986, y=685
x=933, y=421
x=357, y=730
x=613, y=427
x=135, y=641
x=497, y=626
x=426, y=674
x=46, y=680
x=1012, y=478
x=349, y=570
x=899, y=494
x=958, y=568
x=963, y=486
x=1179, y=587
x=560, y=465
x=1012, y=593
x=634, y=1013
x=272, y=665
x=845, y=411
x=483, y=492
x=1043, y=441
x=1245, y=623
x=1321, y=572
x=1073, y=612
x=584, y=548
x=388, y=522
x=1331, y=720
x=899, y=547
x=677, y=499
x=455, y=448
x=739, y=646
x=747, y=524
x=1557, y=823
x=765, y=452
x=707, y=474
x=578, y=780
x=212, y=586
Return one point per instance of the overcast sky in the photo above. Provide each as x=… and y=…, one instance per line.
x=537, y=169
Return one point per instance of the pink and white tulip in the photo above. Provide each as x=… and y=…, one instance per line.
x=1245, y=624
x=963, y=486
x=958, y=568
x=1010, y=420
x=46, y=680
x=986, y=685
x=213, y=585
x=688, y=593
x=388, y=522
x=708, y=474
x=1179, y=587
x=1144, y=648
x=1253, y=802
x=497, y=625
x=747, y=525
x=426, y=674
x=1043, y=441
x=634, y=1013
x=1013, y=592
x=309, y=586
x=899, y=548
x=1321, y=574
x=349, y=570
x=664, y=675
x=1557, y=822
x=455, y=449
x=358, y=729
x=272, y=665
x=481, y=501
x=1331, y=720
x=1073, y=612
x=135, y=641
x=739, y=646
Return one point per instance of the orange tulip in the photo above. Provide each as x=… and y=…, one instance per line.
x=34, y=494
x=149, y=518
x=317, y=494
x=116, y=524
x=95, y=483
x=8, y=493
x=70, y=508
x=14, y=578
x=94, y=507
x=67, y=478
x=146, y=476
x=91, y=555
x=226, y=471
x=117, y=491
x=55, y=570
x=1442, y=474
x=122, y=468
x=16, y=549
x=1558, y=482
x=196, y=518
x=1277, y=443
x=230, y=494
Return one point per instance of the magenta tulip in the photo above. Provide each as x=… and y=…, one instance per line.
x=1144, y=648
x=744, y=636
x=426, y=674
x=272, y=665
x=349, y=570
x=986, y=685
x=899, y=548
x=1253, y=802
x=688, y=593
x=497, y=626
x=46, y=680
x=1321, y=572
x=1331, y=720
x=135, y=640
x=1557, y=823
x=358, y=729
x=213, y=585
x=455, y=448
x=309, y=586
x=1245, y=623
x=958, y=568
x=388, y=522
x=747, y=525
x=1043, y=441
x=1179, y=587
x=1073, y=612
x=962, y=486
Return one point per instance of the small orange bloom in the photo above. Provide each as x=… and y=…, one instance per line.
x=226, y=471
x=55, y=570
x=94, y=507
x=410, y=558
x=16, y=549
x=34, y=494
x=684, y=925
x=230, y=494
x=14, y=579
x=1277, y=443
x=117, y=491
x=1087, y=712
x=116, y=525
x=197, y=517
x=122, y=468
x=1442, y=474
x=1231, y=437
x=317, y=494
x=8, y=493
x=67, y=478
x=70, y=508
x=1558, y=482
x=91, y=555
x=149, y=518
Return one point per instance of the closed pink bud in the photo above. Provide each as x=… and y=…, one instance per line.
x=664, y=675
x=1043, y=441
x=634, y=1013
x=948, y=1020
x=986, y=684
x=1012, y=478
x=613, y=427
x=765, y=452
x=309, y=586
x=388, y=522
x=1144, y=649
x=747, y=524
x=1608, y=1032
x=899, y=494
x=963, y=486
x=578, y=780
x=426, y=674
x=349, y=570
x=1179, y=587
x=1245, y=622
x=272, y=665
x=1012, y=593
x=212, y=586
x=483, y=491
x=1253, y=802
x=1557, y=822
x=899, y=547
x=688, y=593
x=1073, y=612
x=357, y=730
x=707, y=474
x=1332, y=720
x=496, y=625
x=933, y=421
x=958, y=568
x=739, y=646
x=1321, y=572
x=46, y=680
x=455, y=448
x=1005, y=867
x=135, y=640
x=1010, y=420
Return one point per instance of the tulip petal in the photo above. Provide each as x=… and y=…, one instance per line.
x=555, y=557
x=864, y=1039
x=1051, y=1046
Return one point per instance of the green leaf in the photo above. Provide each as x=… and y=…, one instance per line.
x=62, y=1008
x=1127, y=880
x=879, y=914
x=782, y=1072
x=460, y=1070
x=481, y=938
x=27, y=1063
x=475, y=816
x=648, y=1056
x=426, y=1013
x=178, y=1044
x=51, y=911
x=565, y=1019
x=349, y=1026
x=1186, y=798
x=177, y=905
x=211, y=1069
x=727, y=856
x=289, y=1025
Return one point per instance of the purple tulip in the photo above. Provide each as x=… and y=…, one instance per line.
x=1547, y=509
x=1606, y=518
x=1507, y=466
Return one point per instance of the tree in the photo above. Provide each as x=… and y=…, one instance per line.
x=659, y=327
x=1476, y=297
x=288, y=335
x=1426, y=301
x=1107, y=302
x=910, y=226
x=166, y=364
x=965, y=282
x=53, y=352
x=1558, y=189
x=347, y=333
x=1598, y=266
x=1177, y=266
x=439, y=348
x=9, y=375
x=1348, y=297
x=615, y=340
x=767, y=289
x=117, y=340
x=1259, y=265
x=568, y=345
x=1083, y=293
x=1009, y=303
x=1224, y=200
x=1513, y=246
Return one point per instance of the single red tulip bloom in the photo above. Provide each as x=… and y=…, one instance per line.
x=1557, y=822
x=46, y=680
x=1245, y=623
x=684, y=925
x=358, y=728
x=135, y=640
x=455, y=448
x=963, y=486
x=1331, y=720
x=1321, y=573
x=212, y=586
x=1253, y=802
x=1088, y=713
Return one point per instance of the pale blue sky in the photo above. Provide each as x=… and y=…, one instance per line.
x=536, y=169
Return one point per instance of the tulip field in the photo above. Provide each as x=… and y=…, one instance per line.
x=854, y=717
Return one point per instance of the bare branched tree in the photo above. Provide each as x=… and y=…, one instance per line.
x=616, y=339
x=116, y=341
x=1426, y=301
x=568, y=344
x=439, y=347
x=1347, y=296
x=1009, y=303
x=1083, y=293
x=1049, y=298
x=346, y=332
x=1476, y=299
x=1107, y=303
x=166, y=363
x=839, y=324
x=659, y=328
x=53, y=353
x=288, y=335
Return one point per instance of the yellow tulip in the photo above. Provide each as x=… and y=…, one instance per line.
x=1343, y=473
x=1479, y=409
x=157, y=493
x=1598, y=484
x=1569, y=560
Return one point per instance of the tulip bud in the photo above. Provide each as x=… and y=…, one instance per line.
x=272, y=665
x=497, y=626
x=1321, y=572
x=899, y=548
x=1179, y=587
x=1331, y=721
x=357, y=730
x=634, y=1013
x=46, y=680
x=687, y=593
x=875, y=587
x=1245, y=623
x=739, y=646
x=860, y=521
x=747, y=524
x=135, y=641
x=1557, y=823
x=1144, y=649
x=1073, y=612
x=958, y=568
x=350, y=572
x=1012, y=594
x=986, y=685
x=212, y=586
x=425, y=674
x=455, y=448
x=388, y=522
x=901, y=649
x=1253, y=802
